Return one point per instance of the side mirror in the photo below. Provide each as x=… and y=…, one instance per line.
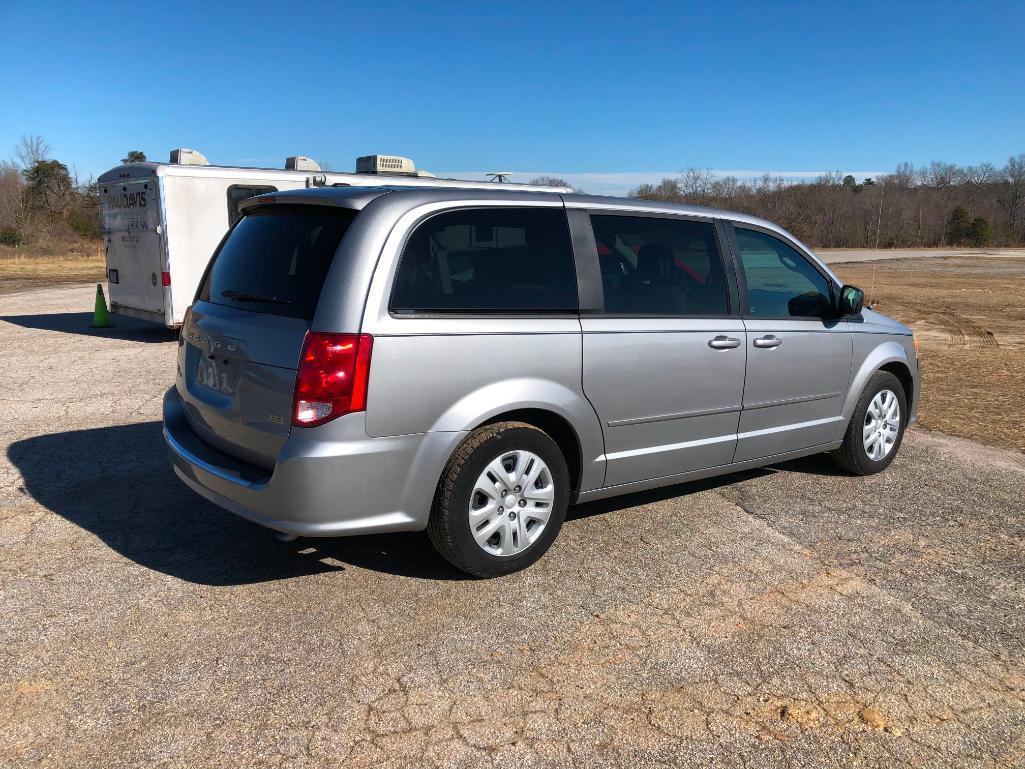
x=852, y=299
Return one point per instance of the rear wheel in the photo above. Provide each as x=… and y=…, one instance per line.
x=876, y=429
x=501, y=500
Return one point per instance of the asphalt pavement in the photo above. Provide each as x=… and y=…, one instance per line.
x=789, y=616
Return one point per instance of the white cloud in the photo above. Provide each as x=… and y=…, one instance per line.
x=621, y=182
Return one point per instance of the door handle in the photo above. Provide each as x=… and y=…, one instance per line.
x=723, y=342
x=768, y=341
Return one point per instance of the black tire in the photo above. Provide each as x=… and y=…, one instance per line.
x=852, y=456
x=449, y=524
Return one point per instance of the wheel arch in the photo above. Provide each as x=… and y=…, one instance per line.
x=559, y=410
x=903, y=373
x=888, y=356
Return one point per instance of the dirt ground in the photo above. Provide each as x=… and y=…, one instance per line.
x=968, y=313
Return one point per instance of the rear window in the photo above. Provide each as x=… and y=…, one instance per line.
x=488, y=260
x=276, y=259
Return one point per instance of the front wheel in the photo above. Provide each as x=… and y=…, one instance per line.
x=501, y=500
x=876, y=429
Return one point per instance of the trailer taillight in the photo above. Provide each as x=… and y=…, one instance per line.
x=165, y=279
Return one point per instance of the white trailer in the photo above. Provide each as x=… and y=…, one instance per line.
x=162, y=221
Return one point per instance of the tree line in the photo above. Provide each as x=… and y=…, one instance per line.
x=940, y=204
x=42, y=200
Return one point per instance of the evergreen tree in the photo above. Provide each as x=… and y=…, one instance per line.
x=958, y=227
x=48, y=188
x=978, y=232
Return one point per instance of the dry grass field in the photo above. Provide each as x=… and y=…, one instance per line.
x=22, y=269
x=968, y=313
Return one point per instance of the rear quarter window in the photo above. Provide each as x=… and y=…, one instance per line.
x=488, y=260
x=239, y=192
x=276, y=259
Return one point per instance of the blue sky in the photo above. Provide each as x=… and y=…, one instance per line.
x=606, y=94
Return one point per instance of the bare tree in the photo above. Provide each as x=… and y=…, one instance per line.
x=696, y=183
x=973, y=178
x=726, y=189
x=30, y=150
x=668, y=189
x=1013, y=198
x=12, y=200
x=904, y=176
x=984, y=173
x=550, y=181
x=938, y=174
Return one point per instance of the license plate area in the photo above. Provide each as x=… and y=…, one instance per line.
x=217, y=374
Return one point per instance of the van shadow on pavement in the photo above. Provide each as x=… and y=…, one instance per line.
x=116, y=482
x=80, y=323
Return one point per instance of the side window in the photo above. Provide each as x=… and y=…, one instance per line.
x=655, y=266
x=239, y=192
x=780, y=281
x=488, y=260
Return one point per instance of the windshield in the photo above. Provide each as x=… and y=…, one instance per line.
x=276, y=259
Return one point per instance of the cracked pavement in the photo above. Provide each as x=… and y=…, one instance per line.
x=782, y=617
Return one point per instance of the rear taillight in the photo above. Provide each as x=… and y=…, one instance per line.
x=332, y=377
x=183, y=331
x=165, y=279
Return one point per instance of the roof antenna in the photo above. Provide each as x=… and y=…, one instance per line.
x=499, y=176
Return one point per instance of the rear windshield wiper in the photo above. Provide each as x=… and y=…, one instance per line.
x=242, y=296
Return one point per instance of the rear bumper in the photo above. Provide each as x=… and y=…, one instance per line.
x=153, y=316
x=326, y=482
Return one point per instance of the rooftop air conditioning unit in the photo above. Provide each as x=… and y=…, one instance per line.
x=186, y=157
x=301, y=163
x=385, y=164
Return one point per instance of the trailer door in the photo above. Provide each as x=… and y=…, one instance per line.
x=136, y=268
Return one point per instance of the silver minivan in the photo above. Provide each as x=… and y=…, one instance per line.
x=472, y=362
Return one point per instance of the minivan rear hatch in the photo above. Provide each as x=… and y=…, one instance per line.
x=240, y=345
